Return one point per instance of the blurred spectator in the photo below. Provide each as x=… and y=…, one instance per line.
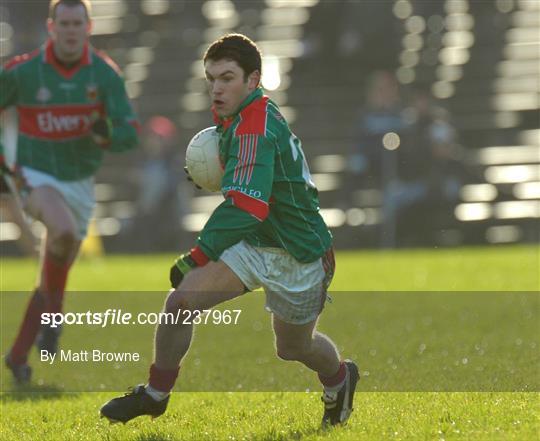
x=434, y=147
x=429, y=172
x=160, y=204
x=409, y=154
x=382, y=114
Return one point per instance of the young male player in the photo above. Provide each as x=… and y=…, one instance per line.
x=267, y=232
x=72, y=107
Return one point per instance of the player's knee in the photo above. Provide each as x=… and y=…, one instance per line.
x=176, y=300
x=64, y=240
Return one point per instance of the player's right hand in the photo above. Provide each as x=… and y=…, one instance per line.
x=101, y=131
x=182, y=265
x=190, y=179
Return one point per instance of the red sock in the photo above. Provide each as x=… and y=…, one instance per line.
x=162, y=379
x=335, y=379
x=54, y=276
x=28, y=330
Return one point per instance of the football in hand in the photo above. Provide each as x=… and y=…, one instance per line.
x=202, y=160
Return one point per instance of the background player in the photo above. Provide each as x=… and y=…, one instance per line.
x=72, y=107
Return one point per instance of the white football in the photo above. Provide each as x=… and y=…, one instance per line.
x=202, y=159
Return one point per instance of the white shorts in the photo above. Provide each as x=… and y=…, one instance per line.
x=79, y=195
x=295, y=291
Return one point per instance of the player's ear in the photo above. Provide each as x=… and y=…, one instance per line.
x=89, y=26
x=254, y=79
x=50, y=26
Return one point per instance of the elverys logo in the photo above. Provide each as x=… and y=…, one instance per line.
x=48, y=122
x=57, y=122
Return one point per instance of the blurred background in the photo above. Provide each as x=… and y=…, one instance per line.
x=420, y=119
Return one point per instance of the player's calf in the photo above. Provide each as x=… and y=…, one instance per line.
x=292, y=353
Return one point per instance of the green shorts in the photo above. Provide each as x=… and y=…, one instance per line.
x=295, y=291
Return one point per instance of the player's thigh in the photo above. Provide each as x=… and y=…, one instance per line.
x=292, y=336
x=206, y=287
x=47, y=205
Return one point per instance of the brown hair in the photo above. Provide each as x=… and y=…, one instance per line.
x=54, y=4
x=236, y=47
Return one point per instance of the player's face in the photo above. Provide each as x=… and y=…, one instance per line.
x=227, y=85
x=69, y=30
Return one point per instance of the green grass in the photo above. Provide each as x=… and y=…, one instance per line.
x=402, y=340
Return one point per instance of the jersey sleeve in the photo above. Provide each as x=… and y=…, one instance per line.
x=247, y=186
x=119, y=110
x=8, y=88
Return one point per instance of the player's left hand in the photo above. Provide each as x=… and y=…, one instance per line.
x=4, y=169
x=101, y=131
x=182, y=265
x=18, y=180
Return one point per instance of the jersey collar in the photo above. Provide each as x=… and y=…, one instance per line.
x=50, y=58
x=227, y=121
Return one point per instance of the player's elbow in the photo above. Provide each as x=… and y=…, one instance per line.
x=124, y=138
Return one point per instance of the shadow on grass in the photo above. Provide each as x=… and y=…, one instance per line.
x=293, y=434
x=271, y=435
x=153, y=437
x=35, y=392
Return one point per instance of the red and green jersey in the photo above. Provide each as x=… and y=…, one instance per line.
x=56, y=107
x=270, y=199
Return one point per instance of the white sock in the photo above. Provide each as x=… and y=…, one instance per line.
x=157, y=395
x=330, y=390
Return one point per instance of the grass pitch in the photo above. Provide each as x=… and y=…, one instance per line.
x=230, y=357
